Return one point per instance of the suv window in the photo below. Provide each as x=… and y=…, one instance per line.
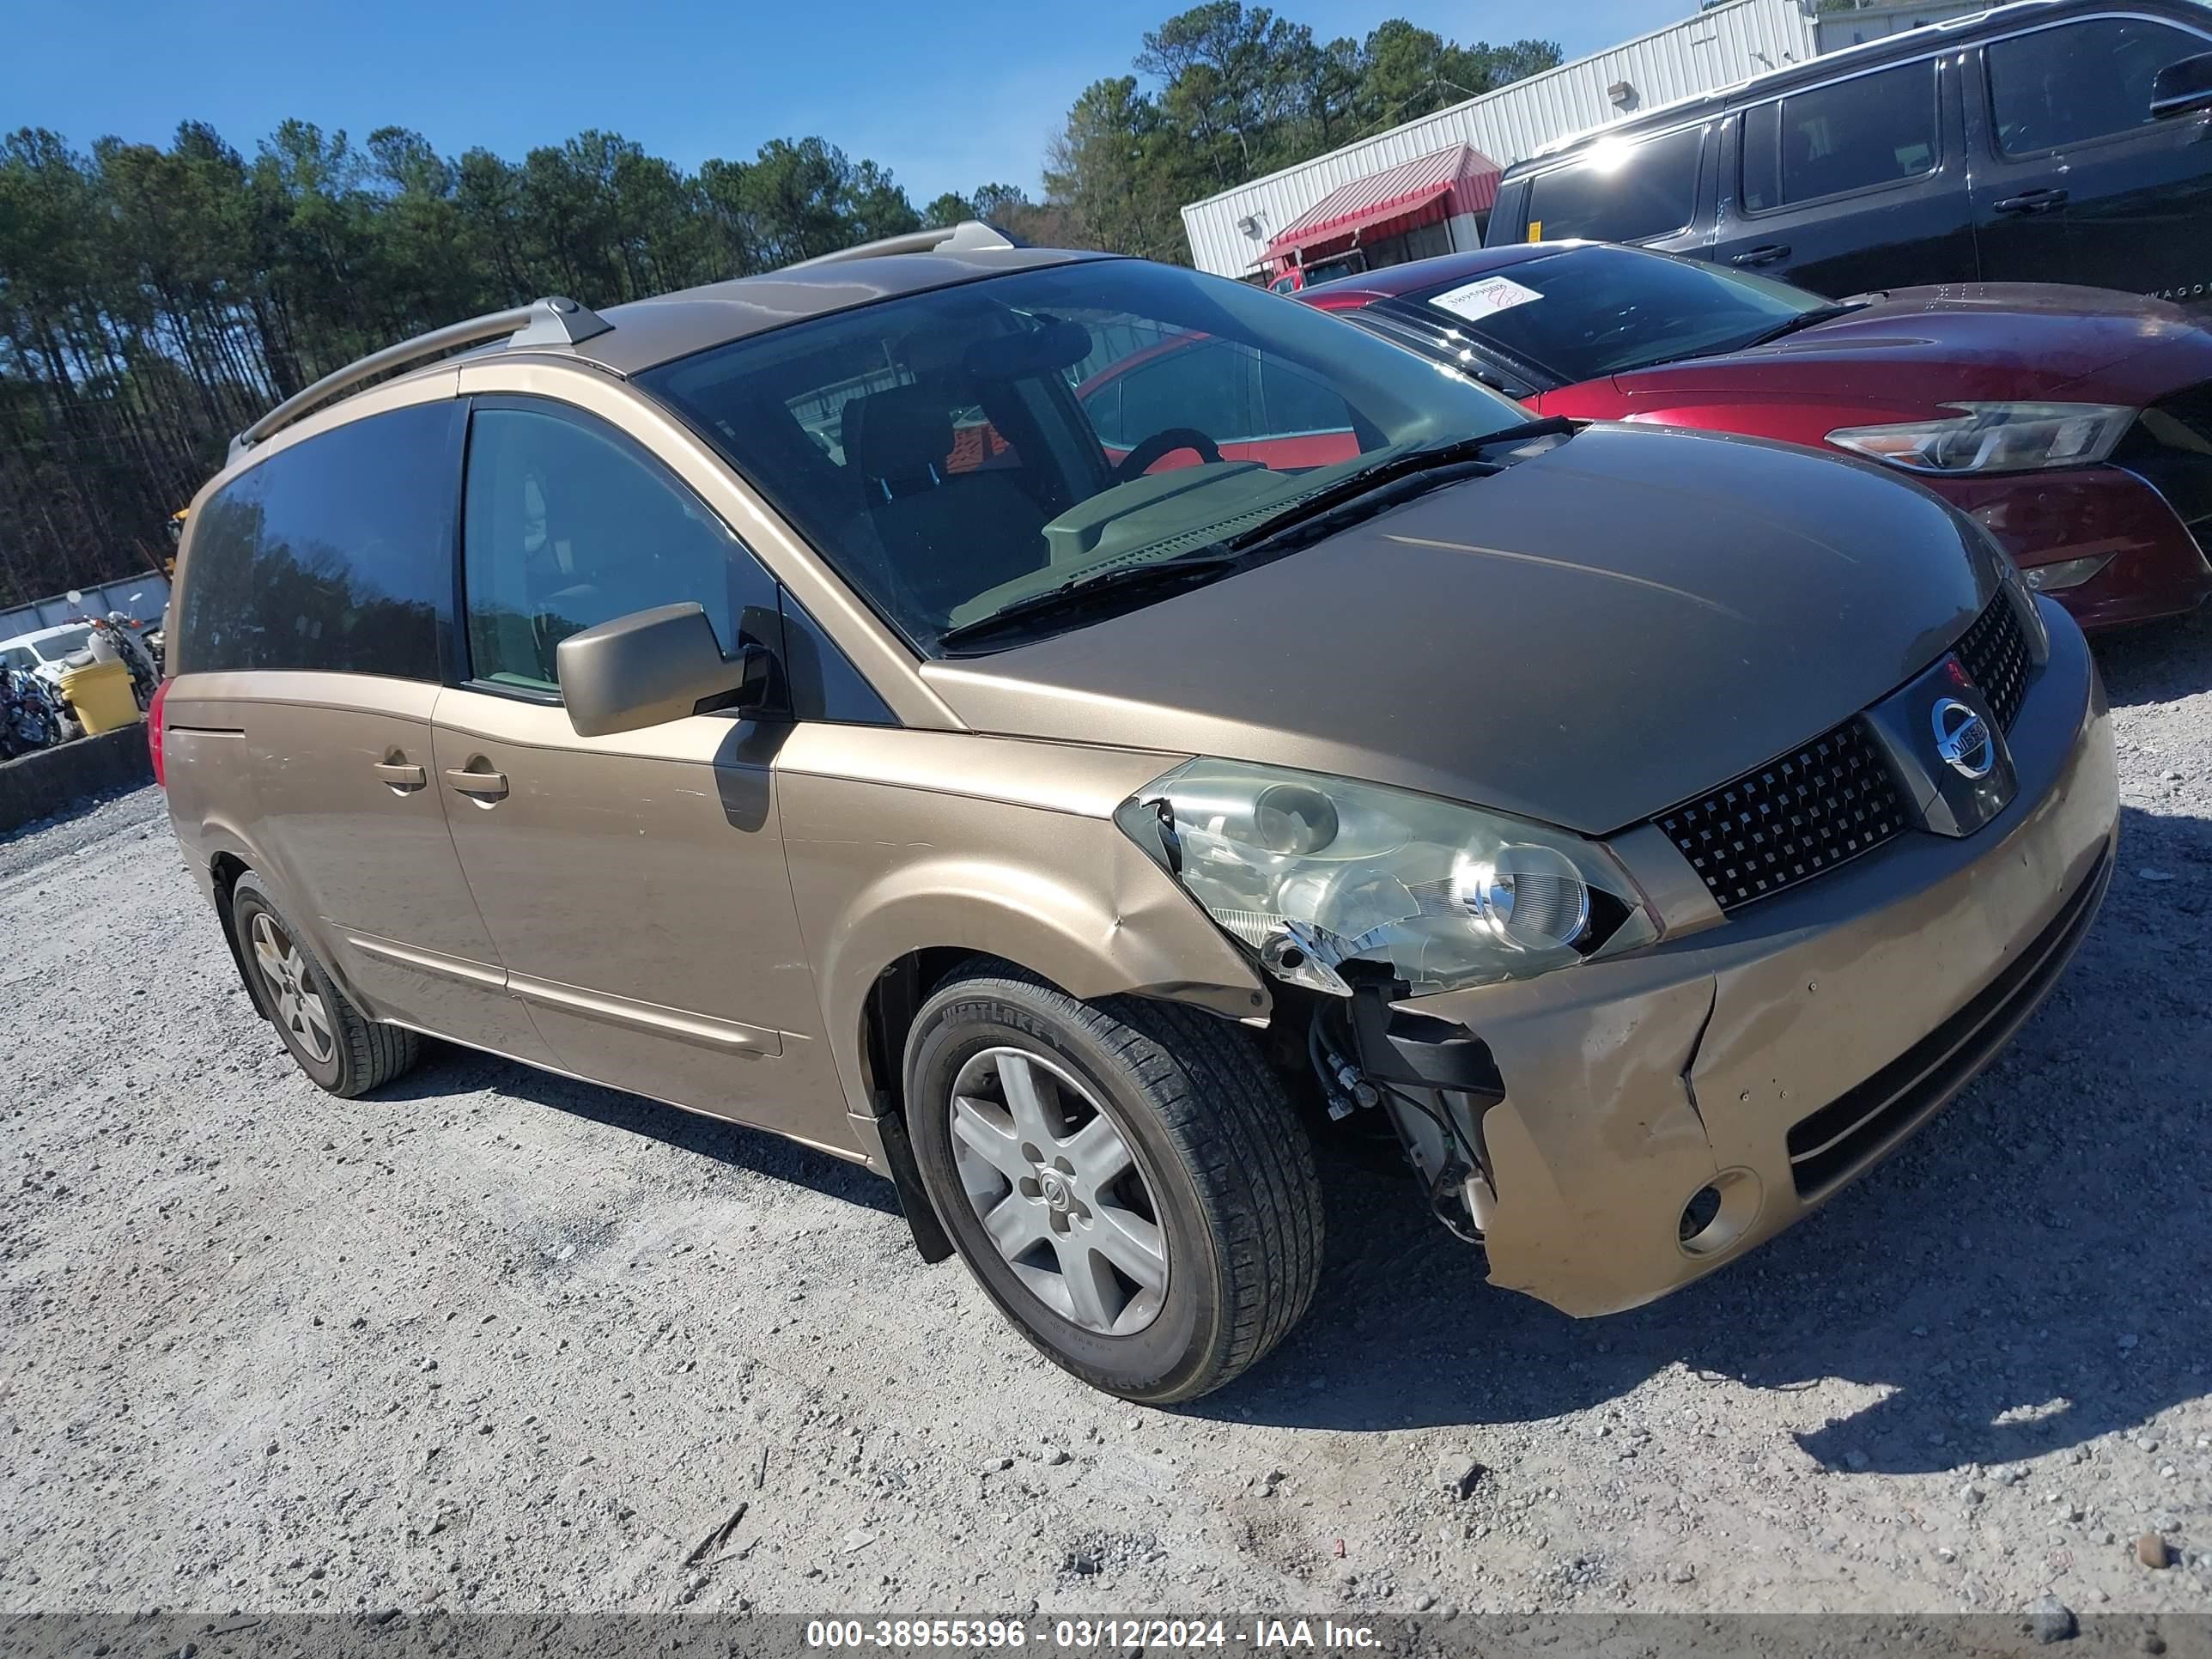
x=567, y=523
x=1651, y=190
x=2078, y=81
x=335, y=553
x=1870, y=130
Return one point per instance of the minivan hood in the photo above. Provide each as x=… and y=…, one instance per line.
x=1587, y=637
x=1979, y=340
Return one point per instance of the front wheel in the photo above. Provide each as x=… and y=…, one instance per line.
x=1127, y=1179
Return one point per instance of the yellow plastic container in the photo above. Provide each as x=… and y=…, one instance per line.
x=100, y=693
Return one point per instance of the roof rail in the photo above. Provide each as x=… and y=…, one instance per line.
x=941, y=238
x=549, y=322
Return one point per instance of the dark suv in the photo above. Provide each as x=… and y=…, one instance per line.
x=2057, y=140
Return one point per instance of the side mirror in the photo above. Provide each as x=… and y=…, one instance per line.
x=2182, y=88
x=652, y=666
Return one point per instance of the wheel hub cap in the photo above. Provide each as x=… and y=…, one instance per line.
x=1058, y=1191
x=299, y=1007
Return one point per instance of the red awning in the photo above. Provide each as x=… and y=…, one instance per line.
x=1461, y=173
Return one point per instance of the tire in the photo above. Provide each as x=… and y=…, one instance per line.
x=1216, y=1162
x=334, y=1045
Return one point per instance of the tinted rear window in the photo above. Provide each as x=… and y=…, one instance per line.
x=333, y=555
x=1614, y=195
x=1871, y=130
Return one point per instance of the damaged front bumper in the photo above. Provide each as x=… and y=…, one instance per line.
x=1723, y=1084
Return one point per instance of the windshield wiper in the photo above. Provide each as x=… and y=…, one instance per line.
x=1144, y=581
x=1803, y=320
x=1108, y=588
x=1412, y=463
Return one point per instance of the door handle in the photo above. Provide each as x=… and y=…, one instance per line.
x=2033, y=201
x=1766, y=254
x=400, y=776
x=491, y=784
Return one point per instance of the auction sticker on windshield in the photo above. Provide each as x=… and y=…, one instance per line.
x=1476, y=300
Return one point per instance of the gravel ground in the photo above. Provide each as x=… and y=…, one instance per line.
x=495, y=1339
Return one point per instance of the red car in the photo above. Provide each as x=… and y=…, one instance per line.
x=2075, y=422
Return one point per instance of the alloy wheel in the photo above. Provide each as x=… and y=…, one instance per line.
x=298, y=1002
x=1058, y=1191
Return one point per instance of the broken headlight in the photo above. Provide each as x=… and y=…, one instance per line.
x=1312, y=872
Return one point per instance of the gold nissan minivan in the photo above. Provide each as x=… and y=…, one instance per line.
x=1062, y=730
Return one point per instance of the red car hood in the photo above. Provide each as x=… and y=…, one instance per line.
x=1969, y=340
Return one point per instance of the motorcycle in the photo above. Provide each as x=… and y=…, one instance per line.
x=153, y=635
x=121, y=636
x=28, y=721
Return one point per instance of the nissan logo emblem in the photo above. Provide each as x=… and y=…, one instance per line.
x=1963, y=739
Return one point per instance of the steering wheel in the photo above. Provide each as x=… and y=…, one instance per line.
x=1164, y=442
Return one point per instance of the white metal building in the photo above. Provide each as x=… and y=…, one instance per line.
x=1873, y=19
x=1229, y=233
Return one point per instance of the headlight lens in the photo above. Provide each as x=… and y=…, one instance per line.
x=1313, y=872
x=1994, y=437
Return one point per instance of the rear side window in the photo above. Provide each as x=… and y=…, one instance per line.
x=1205, y=385
x=569, y=525
x=1615, y=196
x=1292, y=403
x=333, y=555
x=1871, y=130
x=2079, y=81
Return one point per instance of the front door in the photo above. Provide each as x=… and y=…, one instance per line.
x=635, y=884
x=2080, y=183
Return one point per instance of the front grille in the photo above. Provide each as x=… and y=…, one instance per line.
x=1850, y=1130
x=1994, y=652
x=1791, y=819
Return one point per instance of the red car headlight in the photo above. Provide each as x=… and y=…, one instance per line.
x=1994, y=438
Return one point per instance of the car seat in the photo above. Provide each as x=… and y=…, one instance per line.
x=950, y=535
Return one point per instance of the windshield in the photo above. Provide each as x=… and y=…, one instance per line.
x=55, y=647
x=953, y=451
x=1588, y=312
x=18, y=656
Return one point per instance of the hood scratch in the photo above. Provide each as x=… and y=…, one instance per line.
x=1571, y=564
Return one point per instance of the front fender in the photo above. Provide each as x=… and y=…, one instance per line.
x=881, y=869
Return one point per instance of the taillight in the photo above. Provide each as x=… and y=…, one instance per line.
x=153, y=732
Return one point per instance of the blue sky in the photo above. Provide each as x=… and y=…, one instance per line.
x=947, y=95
